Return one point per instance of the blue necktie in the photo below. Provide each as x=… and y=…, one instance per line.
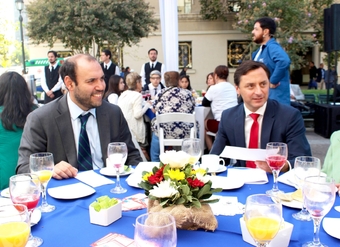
x=84, y=150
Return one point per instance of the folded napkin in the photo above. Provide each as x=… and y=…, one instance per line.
x=249, y=175
x=93, y=179
x=227, y=205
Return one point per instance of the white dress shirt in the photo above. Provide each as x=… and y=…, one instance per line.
x=142, y=72
x=249, y=122
x=43, y=83
x=152, y=90
x=91, y=129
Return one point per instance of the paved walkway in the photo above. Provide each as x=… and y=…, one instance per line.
x=318, y=144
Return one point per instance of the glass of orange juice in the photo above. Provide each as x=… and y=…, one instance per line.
x=263, y=216
x=42, y=164
x=14, y=225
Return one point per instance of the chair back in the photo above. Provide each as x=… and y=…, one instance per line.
x=170, y=118
x=310, y=98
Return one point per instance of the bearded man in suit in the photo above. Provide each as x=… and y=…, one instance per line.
x=57, y=127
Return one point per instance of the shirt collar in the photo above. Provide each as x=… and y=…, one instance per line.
x=108, y=64
x=54, y=66
x=155, y=62
x=75, y=110
x=260, y=111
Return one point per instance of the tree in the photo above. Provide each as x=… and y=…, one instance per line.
x=79, y=23
x=299, y=23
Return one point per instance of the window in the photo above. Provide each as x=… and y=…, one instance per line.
x=184, y=54
x=238, y=50
x=184, y=6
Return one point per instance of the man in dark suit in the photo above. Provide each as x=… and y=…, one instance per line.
x=276, y=122
x=320, y=79
x=108, y=67
x=51, y=81
x=150, y=66
x=57, y=127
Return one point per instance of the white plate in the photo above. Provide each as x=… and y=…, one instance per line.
x=36, y=215
x=292, y=204
x=226, y=183
x=331, y=226
x=107, y=171
x=5, y=193
x=71, y=191
x=218, y=170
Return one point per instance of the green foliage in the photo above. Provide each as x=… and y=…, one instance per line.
x=79, y=23
x=299, y=23
x=214, y=9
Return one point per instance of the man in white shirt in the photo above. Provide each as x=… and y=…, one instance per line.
x=155, y=86
x=108, y=67
x=150, y=66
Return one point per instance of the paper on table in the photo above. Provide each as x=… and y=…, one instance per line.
x=93, y=179
x=239, y=153
x=249, y=175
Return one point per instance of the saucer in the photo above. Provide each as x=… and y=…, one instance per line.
x=218, y=170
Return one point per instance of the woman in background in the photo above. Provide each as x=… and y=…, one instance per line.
x=16, y=103
x=184, y=82
x=210, y=80
x=116, y=87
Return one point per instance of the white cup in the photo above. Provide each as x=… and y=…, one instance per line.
x=211, y=161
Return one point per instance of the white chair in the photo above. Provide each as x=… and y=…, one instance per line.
x=138, y=147
x=170, y=118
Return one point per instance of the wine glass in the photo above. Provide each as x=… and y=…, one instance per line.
x=155, y=229
x=14, y=225
x=319, y=196
x=117, y=154
x=42, y=164
x=305, y=166
x=263, y=217
x=276, y=158
x=192, y=147
x=26, y=189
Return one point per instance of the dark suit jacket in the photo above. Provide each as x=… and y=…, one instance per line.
x=280, y=123
x=319, y=75
x=49, y=129
x=108, y=73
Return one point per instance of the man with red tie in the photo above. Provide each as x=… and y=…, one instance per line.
x=259, y=120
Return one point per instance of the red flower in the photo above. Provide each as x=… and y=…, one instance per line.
x=195, y=183
x=157, y=177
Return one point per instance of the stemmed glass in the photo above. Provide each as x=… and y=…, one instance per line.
x=117, y=155
x=192, y=147
x=263, y=217
x=155, y=229
x=14, y=225
x=305, y=166
x=26, y=189
x=319, y=196
x=42, y=164
x=276, y=158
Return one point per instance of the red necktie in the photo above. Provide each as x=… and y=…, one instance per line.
x=254, y=137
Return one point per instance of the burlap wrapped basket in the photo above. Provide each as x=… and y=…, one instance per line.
x=187, y=218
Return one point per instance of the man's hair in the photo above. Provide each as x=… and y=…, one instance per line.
x=267, y=23
x=171, y=78
x=153, y=49
x=54, y=53
x=156, y=72
x=132, y=79
x=247, y=66
x=70, y=67
x=222, y=72
x=107, y=53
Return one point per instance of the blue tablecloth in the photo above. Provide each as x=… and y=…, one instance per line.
x=69, y=225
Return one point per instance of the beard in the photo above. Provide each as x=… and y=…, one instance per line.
x=86, y=102
x=258, y=39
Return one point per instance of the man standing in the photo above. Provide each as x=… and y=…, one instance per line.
x=274, y=57
x=78, y=127
x=312, y=76
x=320, y=79
x=259, y=120
x=109, y=68
x=51, y=81
x=148, y=67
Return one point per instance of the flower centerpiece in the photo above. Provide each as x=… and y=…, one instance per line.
x=176, y=188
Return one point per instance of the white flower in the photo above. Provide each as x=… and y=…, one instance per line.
x=175, y=159
x=164, y=190
x=202, y=178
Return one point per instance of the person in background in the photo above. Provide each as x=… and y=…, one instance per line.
x=108, y=67
x=122, y=72
x=184, y=82
x=131, y=103
x=219, y=97
x=155, y=86
x=61, y=127
x=171, y=99
x=297, y=98
x=274, y=57
x=312, y=76
x=259, y=120
x=116, y=87
x=51, y=81
x=331, y=164
x=331, y=78
x=16, y=102
x=210, y=80
x=148, y=67
x=320, y=79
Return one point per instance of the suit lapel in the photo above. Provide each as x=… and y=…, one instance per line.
x=103, y=122
x=64, y=122
x=239, y=130
x=267, y=124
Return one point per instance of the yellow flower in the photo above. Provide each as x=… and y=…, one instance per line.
x=176, y=174
x=201, y=171
x=147, y=175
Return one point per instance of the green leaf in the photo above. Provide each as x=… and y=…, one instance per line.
x=204, y=190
